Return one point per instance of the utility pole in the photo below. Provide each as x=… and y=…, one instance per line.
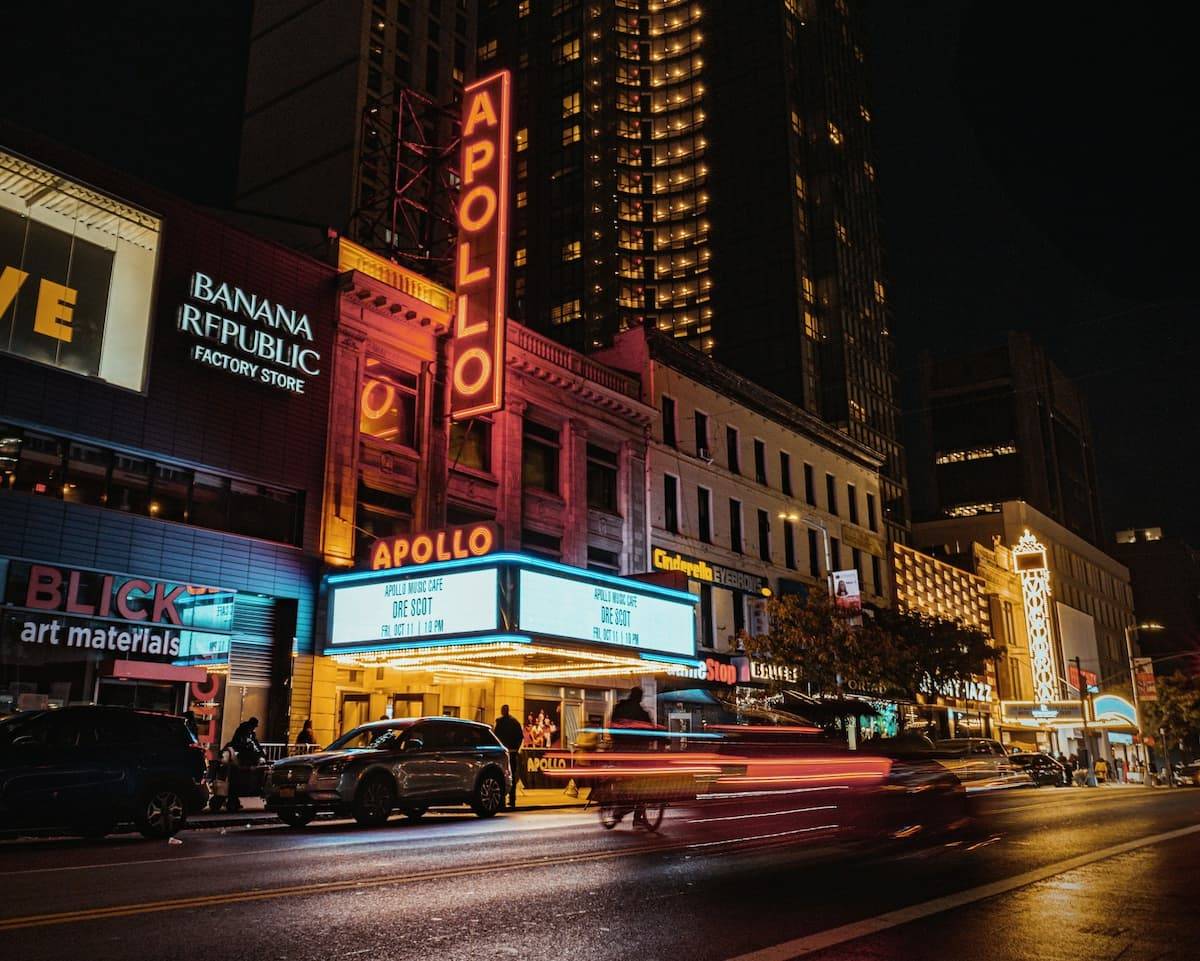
x=1087, y=742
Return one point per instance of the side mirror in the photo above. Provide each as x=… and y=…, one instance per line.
x=413, y=744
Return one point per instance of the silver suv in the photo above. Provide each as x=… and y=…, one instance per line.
x=388, y=765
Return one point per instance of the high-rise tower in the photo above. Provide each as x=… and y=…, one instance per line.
x=704, y=167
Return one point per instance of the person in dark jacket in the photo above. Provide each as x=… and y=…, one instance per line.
x=245, y=744
x=306, y=735
x=630, y=709
x=512, y=736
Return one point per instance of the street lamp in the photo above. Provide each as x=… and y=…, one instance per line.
x=1137, y=709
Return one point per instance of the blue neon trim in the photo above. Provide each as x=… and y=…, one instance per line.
x=672, y=659
x=521, y=560
x=359, y=646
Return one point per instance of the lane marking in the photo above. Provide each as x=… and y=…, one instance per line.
x=442, y=834
x=324, y=887
x=811, y=943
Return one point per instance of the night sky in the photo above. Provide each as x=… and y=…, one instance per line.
x=1035, y=163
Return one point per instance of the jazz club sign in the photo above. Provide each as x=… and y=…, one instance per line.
x=477, y=374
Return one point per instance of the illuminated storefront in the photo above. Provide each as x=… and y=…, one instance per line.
x=462, y=637
x=157, y=547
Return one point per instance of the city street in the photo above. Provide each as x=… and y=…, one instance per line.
x=1099, y=873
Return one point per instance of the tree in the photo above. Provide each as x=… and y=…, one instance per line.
x=1176, y=709
x=896, y=653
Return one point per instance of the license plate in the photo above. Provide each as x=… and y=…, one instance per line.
x=287, y=792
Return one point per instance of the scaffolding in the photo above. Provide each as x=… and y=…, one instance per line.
x=407, y=182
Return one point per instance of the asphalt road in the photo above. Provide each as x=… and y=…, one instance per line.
x=1069, y=874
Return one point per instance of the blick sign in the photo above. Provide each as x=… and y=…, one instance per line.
x=477, y=373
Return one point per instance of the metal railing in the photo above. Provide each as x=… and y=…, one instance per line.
x=277, y=751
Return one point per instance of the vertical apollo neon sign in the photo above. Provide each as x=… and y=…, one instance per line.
x=477, y=371
x=1029, y=557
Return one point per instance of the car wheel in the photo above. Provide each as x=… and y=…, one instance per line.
x=296, y=817
x=489, y=796
x=162, y=813
x=415, y=813
x=374, y=802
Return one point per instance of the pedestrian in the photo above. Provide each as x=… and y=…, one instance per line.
x=306, y=735
x=630, y=709
x=510, y=733
x=1101, y=770
x=242, y=752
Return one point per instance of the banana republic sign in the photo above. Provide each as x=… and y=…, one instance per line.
x=248, y=335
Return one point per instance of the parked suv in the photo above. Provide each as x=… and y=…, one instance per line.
x=407, y=765
x=86, y=769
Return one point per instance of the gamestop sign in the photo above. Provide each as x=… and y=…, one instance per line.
x=477, y=373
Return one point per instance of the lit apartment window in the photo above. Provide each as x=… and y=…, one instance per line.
x=880, y=293
x=571, y=135
x=835, y=135
x=806, y=284
x=522, y=198
x=523, y=8
x=812, y=327
x=799, y=187
x=519, y=257
x=839, y=228
x=388, y=405
x=566, y=312
x=569, y=51
x=571, y=251
x=522, y=139
x=864, y=113
x=797, y=124
x=487, y=50
x=570, y=105
x=869, y=168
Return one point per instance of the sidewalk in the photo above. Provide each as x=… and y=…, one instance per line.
x=252, y=813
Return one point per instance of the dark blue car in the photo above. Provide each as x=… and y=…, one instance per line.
x=87, y=769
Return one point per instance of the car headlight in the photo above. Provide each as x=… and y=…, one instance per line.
x=330, y=769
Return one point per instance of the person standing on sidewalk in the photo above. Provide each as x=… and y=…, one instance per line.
x=512, y=736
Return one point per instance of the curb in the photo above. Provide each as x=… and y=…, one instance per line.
x=254, y=818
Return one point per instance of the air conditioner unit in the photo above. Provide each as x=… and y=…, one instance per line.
x=704, y=455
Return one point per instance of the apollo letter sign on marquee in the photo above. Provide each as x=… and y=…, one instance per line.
x=477, y=374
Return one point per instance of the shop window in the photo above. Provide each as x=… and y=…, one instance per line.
x=388, y=404
x=810, y=487
x=471, y=444
x=538, y=543
x=10, y=453
x=169, y=493
x=668, y=422
x=87, y=474
x=735, y=525
x=764, y=535
x=40, y=465
x=265, y=512
x=704, y=514
x=599, y=559
x=785, y=473
x=671, y=503
x=539, y=457
x=129, y=485
x=602, y=479
x=379, y=514
x=210, y=501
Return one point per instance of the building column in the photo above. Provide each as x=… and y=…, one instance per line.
x=341, y=474
x=508, y=425
x=574, y=492
x=633, y=501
